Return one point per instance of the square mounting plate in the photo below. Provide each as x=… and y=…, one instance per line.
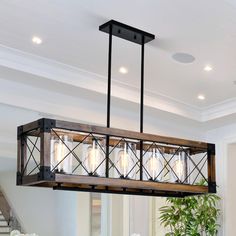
x=126, y=32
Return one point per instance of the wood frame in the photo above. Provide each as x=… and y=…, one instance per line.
x=46, y=178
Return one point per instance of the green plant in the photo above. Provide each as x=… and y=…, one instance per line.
x=191, y=216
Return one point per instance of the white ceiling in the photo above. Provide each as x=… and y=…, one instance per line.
x=69, y=30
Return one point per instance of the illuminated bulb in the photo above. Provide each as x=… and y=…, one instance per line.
x=59, y=150
x=61, y=157
x=36, y=40
x=180, y=168
x=125, y=161
x=154, y=165
x=94, y=157
x=201, y=97
x=208, y=68
x=123, y=158
x=123, y=70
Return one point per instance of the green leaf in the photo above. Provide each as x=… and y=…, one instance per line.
x=191, y=216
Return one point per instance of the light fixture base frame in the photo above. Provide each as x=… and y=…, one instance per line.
x=126, y=32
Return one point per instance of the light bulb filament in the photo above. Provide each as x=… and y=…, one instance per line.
x=93, y=157
x=61, y=158
x=124, y=160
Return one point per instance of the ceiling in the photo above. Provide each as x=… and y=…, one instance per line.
x=66, y=76
x=71, y=39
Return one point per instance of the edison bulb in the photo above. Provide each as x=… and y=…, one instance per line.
x=125, y=160
x=154, y=165
x=179, y=167
x=61, y=156
x=94, y=158
x=179, y=173
x=123, y=157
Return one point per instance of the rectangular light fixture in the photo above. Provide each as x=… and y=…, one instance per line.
x=71, y=156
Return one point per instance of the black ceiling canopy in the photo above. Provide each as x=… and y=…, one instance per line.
x=126, y=32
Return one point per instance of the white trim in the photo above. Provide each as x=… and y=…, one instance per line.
x=219, y=110
x=152, y=216
x=105, y=215
x=58, y=72
x=126, y=215
x=224, y=151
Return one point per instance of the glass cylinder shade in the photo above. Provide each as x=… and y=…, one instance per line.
x=94, y=158
x=153, y=165
x=179, y=171
x=61, y=155
x=125, y=160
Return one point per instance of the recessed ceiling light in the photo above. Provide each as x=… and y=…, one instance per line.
x=36, y=40
x=201, y=97
x=123, y=70
x=208, y=68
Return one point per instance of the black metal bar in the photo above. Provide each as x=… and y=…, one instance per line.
x=142, y=86
x=23, y=155
x=211, y=172
x=126, y=32
x=199, y=173
x=168, y=164
x=141, y=160
x=141, y=106
x=188, y=176
x=33, y=144
x=34, y=169
x=109, y=99
x=125, y=192
x=31, y=154
x=109, y=79
x=70, y=152
x=189, y=157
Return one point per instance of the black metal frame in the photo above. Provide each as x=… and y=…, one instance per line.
x=134, y=35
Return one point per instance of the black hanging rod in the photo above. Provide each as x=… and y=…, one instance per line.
x=126, y=32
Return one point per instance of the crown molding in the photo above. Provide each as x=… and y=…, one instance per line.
x=219, y=110
x=72, y=76
x=59, y=72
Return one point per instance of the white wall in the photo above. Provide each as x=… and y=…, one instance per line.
x=72, y=213
x=34, y=207
x=139, y=215
x=47, y=212
x=230, y=206
x=225, y=140
x=155, y=227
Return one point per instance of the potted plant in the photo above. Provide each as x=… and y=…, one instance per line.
x=191, y=216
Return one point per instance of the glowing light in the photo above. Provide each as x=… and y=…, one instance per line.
x=123, y=70
x=201, y=97
x=208, y=68
x=36, y=40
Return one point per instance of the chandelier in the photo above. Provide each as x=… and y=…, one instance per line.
x=80, y=157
